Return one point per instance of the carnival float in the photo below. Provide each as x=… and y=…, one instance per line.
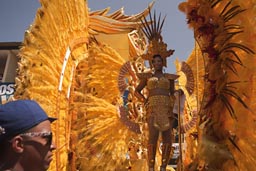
x=81, y=66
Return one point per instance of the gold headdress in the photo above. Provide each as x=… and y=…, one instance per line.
x=153, y=30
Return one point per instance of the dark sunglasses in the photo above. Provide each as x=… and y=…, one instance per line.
x=45, y=135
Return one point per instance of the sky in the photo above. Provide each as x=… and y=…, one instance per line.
x=17, y=15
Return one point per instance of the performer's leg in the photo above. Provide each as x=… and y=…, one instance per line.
x=166, y=147
x=152, y=143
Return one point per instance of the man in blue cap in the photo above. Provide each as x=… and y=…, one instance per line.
x=25, y=137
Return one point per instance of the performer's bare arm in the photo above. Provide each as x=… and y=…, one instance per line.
x=139, y=88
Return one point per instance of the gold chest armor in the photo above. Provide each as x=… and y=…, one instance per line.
x=155, y=82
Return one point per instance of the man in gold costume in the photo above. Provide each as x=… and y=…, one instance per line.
x=159, y=105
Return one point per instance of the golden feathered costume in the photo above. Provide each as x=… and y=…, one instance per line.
x=71, y=65
x=224, y=31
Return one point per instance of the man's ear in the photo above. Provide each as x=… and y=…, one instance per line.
x=17, y=144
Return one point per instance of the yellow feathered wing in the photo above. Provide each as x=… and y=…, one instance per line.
x=105, y=141
x=60, y=27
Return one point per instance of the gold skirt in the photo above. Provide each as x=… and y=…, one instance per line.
x=160, y=108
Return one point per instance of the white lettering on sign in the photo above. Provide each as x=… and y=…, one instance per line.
x=6, y=89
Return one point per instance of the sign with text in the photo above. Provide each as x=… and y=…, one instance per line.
x=6, y=92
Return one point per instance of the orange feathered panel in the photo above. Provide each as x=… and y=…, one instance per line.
x=224, y=31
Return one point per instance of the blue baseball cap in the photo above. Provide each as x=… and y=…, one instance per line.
x=19, y=116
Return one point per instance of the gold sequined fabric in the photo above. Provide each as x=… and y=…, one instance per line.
x=160, y=108
x=155, y=82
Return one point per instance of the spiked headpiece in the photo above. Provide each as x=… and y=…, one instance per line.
x=153, y=30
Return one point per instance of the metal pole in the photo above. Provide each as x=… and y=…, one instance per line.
x=180, y=138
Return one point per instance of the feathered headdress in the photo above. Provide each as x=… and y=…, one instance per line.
x=152, y=29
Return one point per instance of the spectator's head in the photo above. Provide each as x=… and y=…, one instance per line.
x=25, y=136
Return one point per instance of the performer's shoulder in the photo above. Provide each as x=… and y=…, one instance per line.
x=144, y=75
x=171, y=76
